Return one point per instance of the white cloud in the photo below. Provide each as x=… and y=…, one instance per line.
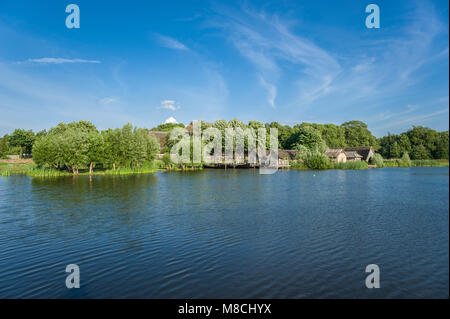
x=20, y=92
x=171, y=43
x=413, y=120
x=170, y=120
x=168, y=105
x=271, y=91
x=268, y=43
x=108, y=100
x=57, y=61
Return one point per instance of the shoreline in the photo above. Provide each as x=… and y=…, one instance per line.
x=27, y=167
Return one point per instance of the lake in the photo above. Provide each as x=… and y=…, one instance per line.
x=227, y=234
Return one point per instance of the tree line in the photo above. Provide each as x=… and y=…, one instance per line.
x=420, y=143
x=79, y=144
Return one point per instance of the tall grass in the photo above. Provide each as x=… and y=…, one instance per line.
x=5, y=172
x=415, y=163
x=46, y=172
x=127, y=171
x=429, y=163
x=352, y=165
x=8, y=169
x=146, y=168
x=297, y=165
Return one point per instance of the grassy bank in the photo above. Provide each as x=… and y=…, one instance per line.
x=28, y=167
x=386, y=163
x=8, y=168
x=348, y=165
x=352, y=165
x=415, y=163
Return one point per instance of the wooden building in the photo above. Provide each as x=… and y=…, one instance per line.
x=348, y=154
x=337, y=155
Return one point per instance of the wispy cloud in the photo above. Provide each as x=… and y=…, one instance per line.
x=57, y=61
x=268, y=43
x=386, y=115
x=189, y=19
x=419, y=119
x=108, y=100
x=372, y=75
x=171, y=43
x=26, y=99
x=271, y=91
x=168, y=105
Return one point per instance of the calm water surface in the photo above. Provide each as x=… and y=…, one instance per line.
x=227, y=234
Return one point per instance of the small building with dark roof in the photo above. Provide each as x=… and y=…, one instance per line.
x=342, y=155
x=366, y=152
x=337, y=155
x=161, y=137
x=352, y=156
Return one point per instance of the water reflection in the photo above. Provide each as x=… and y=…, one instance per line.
x=227, y=234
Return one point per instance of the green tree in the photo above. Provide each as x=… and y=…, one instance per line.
x=74, y=149
x=395, y=150
x=357, y=134
x=236, y=123
x=442, y=146
x=404, y=143
x=167, y=127
x=95, y=150
x=333, y=135
x=153, y=148
x=22, y=139
x=255, y=125
x=420, y=152
x=47, y=151
x=426, y=137
x=167, y=161
x=307, y=136
x=4, y=146
x=111, y=140
x=221, y=125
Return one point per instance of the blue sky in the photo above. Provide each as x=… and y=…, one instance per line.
x=287, y=61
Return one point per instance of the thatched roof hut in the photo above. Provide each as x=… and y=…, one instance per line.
x=352, y=156
x=160, y=136
x=365, y=151
x=336, y=154
x=287, y=154
x=350, y=153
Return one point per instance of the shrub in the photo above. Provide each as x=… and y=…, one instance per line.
x=297, y=165
x=166, y=160
x=405, y=161
x=377, y=159
x=317, y=160
x=302, y=152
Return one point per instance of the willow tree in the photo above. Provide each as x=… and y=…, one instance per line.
x=22, y=139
